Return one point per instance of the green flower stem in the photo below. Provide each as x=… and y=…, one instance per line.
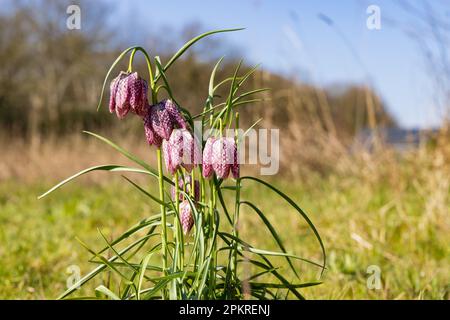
x=212, y=227
x=179, y=229
x=130, y=63
x=236, y=210
x=163, y=211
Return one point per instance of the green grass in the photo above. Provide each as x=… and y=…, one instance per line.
x=394, y=229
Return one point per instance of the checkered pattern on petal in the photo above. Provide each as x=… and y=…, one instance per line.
x=207, y=168
x=113, y=91
x=123, y=98
x=235, y=166
x=183, y=148
x=167, y=152
x=138, y=94
x=187, y=181
x=175, y=114
x=222, y=158
x=176, y=148
x=161, y=121
x=152, y=137
x=186, y=217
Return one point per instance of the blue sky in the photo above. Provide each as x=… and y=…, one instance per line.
x=289, y=38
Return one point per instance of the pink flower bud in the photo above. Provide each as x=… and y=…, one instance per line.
x=187, y=181
x=186, y=217
x=181, y=150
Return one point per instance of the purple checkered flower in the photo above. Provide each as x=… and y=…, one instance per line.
x=128, y=93
x=186, y=217
x=207, y=168
x=220, y=156
x=181, y=150
x=166, y=116
x=150, y=134
x=188, y=182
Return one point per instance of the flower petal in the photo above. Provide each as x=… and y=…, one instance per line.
x=161, y=121
x=175, y=113
x=152, y=137
x=186, y=217
x=207, y=169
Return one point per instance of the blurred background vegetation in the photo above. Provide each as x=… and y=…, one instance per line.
x=373, y=206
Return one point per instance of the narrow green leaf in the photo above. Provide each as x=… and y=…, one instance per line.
x=127, y=154
x=282, y=286
x=188, y=44
x=272, y=232
x=157, y=200
x=107, y=167
x=211, y=79
x=96, y=271
x=142, y=273
x=298, y=209
x=107, y=292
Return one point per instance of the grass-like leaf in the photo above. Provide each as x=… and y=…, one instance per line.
x=191, y=42
x=298, y=209
x=107, y=167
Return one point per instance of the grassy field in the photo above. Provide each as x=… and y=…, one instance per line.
x=397, y=220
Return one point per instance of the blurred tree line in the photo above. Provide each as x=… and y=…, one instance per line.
x=50, y=78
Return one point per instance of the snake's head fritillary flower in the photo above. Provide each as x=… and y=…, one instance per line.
x=138, y=88
x=181, y=150
x=224, y=158
x=113, y=90
x=165, y=117
x=186, y=185
x=128, y=93
x=186, y=217
x=150, y=134
x=207, y=168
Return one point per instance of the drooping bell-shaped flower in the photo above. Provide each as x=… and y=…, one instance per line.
x=165, y=117
x=113, y=90
x=186, y=185
x=128, y=93
x=150, y=134
x=181, y=150
x=207, y=168
x=186, y=217
x=220, y=156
